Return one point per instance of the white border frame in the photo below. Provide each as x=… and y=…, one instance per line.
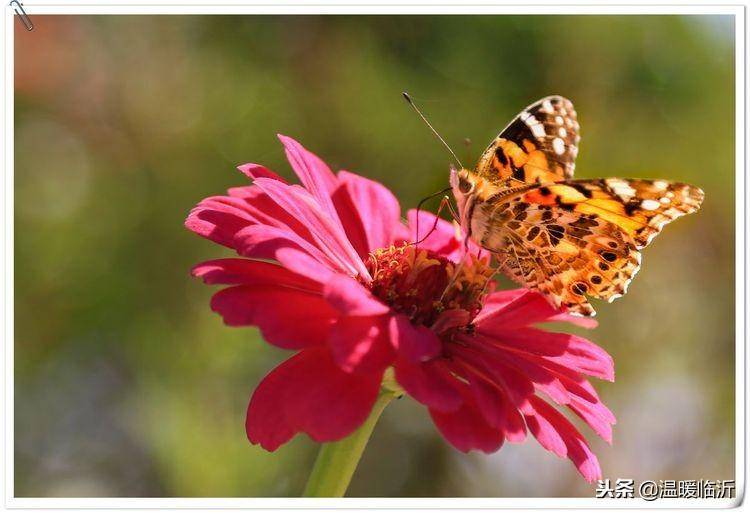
x=33, y=7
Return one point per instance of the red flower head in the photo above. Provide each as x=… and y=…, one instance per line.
x=326, y=270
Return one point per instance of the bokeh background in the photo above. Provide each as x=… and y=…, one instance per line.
x=127, y=385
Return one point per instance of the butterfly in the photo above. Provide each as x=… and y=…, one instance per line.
x=569, y=239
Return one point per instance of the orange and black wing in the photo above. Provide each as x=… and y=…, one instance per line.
x=539, y=146
x=580, y=238
x=640, y=208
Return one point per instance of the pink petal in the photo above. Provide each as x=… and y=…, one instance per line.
x=573, y=381
x=515, y=308
x=521, y=307
x=369, y=211
x=449, y=319
x=558, y=435
x=499, y=300
x=414, y=342
x=595, y=415
x=401, y=235
x=314, y=174
x=498, y=391
x=326, y=231
x=360, y=344
x=446, y=238
x=243, y=192
x=584, y=401
x=497, y=409
x=350, y=298
x=265, y=423
x=466, y=428
x=581, y=321
x=545, y=433
x=351, y=223
x=287, y=318
x=569, y=350
x=264, y=211
x=309, y=393
x=217, y=220
x=577, y=385
x=296, y=254
x=474, y=358
x=429, y=383
x=488, y=399
x=542, y=378
x=249, y=272
x=513, y=425
x=254, y=171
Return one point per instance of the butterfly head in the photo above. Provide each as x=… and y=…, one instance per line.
x=463, y=182
x=464, y=185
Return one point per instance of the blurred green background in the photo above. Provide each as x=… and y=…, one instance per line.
x=127, y=385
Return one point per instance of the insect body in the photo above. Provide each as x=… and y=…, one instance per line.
x=568, y=239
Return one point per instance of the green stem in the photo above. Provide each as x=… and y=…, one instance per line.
x=337, y=461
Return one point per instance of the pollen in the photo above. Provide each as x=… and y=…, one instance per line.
x=422, y=285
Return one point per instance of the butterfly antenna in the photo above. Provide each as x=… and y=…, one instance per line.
x=411, y=102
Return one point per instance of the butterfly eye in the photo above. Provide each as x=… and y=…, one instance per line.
x=465, y=186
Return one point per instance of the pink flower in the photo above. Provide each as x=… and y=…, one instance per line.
x=326, y=270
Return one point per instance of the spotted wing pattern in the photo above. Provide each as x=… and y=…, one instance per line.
x=641, y=208
x=540, y=145
x=579, y=238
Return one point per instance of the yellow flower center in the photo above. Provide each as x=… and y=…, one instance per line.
x=422, y=284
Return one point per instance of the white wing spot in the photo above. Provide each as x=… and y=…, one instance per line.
x=621, y=188
x=649, y=205
x=547, y=106
x=562, y=132
x=558, y=145
x=559, y=120
x=537, y=130
x=665, y=200
x=660, y=185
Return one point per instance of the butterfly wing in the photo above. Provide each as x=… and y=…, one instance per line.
x=580, y=238
x=563, y=255
x=641, y=208
x=540, y=145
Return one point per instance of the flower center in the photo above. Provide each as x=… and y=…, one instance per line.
x=423, y=285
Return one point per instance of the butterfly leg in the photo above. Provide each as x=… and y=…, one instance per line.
x=444, y=203
x=454, y=277
x=495, y=270
x=452, y=210
x=460, y=264
x=459, y=267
